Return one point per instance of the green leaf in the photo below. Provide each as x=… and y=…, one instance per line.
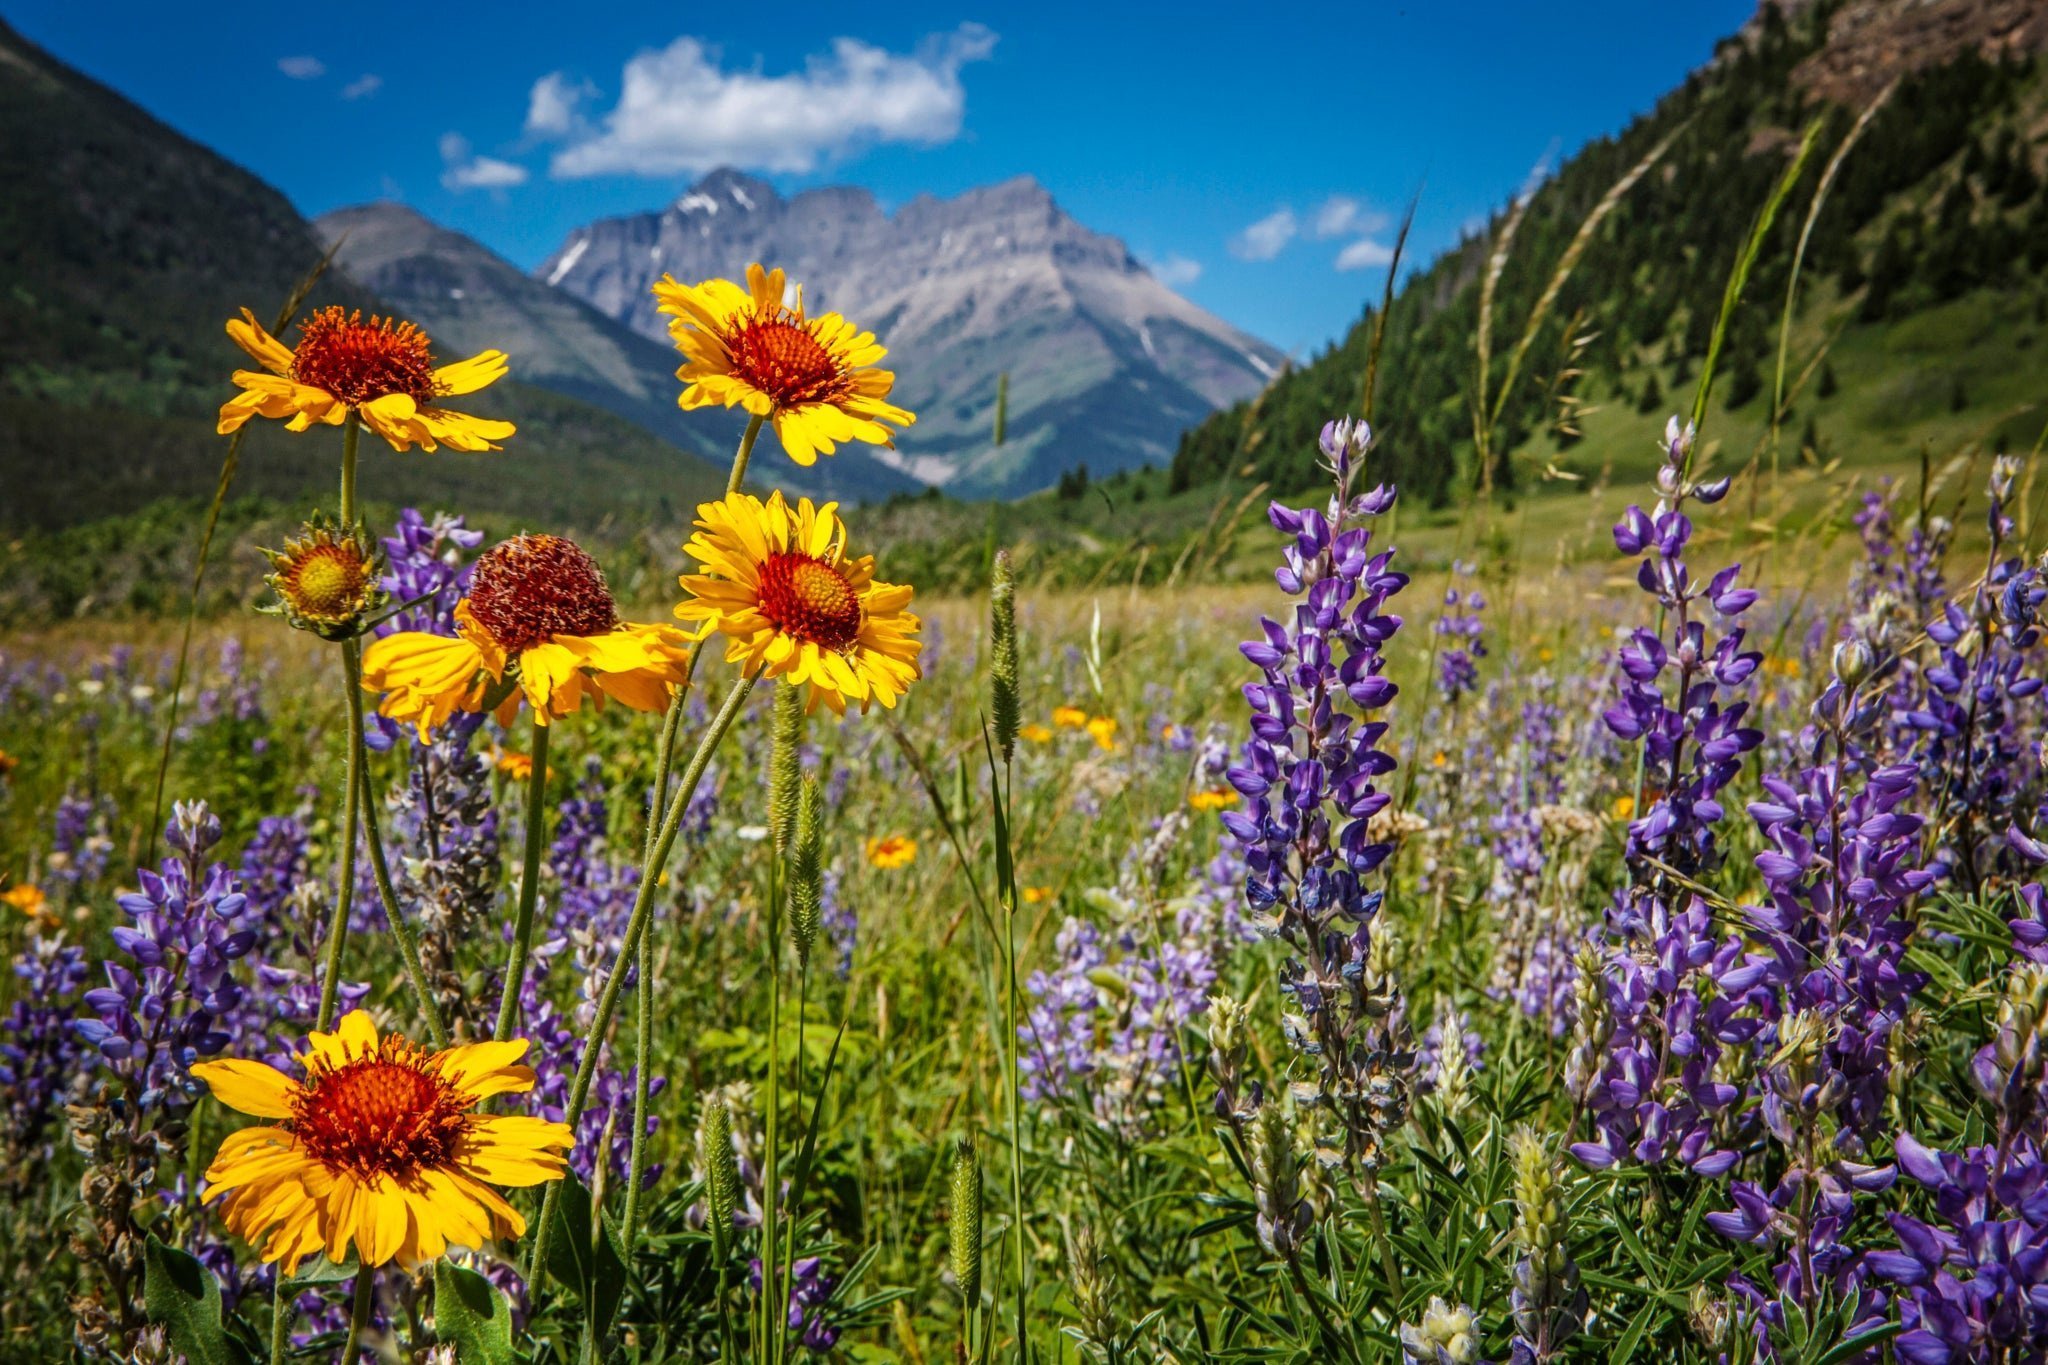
x=472, y=1316
x=802, y=1178
x=584, y=1255
x=182, y=1296
x=1856, y=1345
x=1633, y=1338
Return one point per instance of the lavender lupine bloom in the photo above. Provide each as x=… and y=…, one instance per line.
x=1307, y=778
x=840, y=921
x=152, y=1021
x=810, y=1295
x=1968, y=732
x=1652, y=1091
x=1463, y=635
x=1973, y=1282
x=428, y=570
x=40, y=1064
x=79, y=841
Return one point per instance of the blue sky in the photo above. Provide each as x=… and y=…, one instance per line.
x=1248, y=160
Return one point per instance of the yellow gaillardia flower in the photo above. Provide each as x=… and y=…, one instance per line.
x=1102, y=729
x=1069, y=717
x=326, y=582
x=539, y=622
x=813, y=377
x=1213, y=798
x=31, y=901
x=382, y=369
x=379, y=1146
x=1034, y=732
x=778, y=584
x=892, y=851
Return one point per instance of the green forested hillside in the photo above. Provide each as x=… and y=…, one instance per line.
x=1940, y=203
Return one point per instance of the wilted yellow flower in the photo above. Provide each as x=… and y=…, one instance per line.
x=778, y=584
x=379, y=1146
x=812, y=377
x=1102, y=729
x=1069, y=717
x=1213, y=798
x=1036, y=733
x=892, y=851
x=539, y=622
x=383, y=369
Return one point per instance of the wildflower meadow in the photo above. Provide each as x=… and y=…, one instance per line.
x=1429, y=952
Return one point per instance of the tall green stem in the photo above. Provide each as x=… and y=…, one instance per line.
x=740, y=457
x=344, y=894
x=401, y=930
x=351, y=438
x=636, y=926
x=366, y=1279
x=774, y=1332
x=529, y=883
x=643, y=1056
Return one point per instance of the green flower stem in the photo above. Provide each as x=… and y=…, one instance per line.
x=643, y=1055
x=351, y=438
x=636, y=927
x=740, y=458
x=408, y=941
x=366, y=1279
x=344, y=895
x=529, y=883
x=280, y=1319
x=774, y=1329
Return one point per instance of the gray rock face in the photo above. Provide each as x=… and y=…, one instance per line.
x=1107, y=366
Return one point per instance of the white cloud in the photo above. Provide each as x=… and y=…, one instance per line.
x=554, y=108
x=1267, y=238
x=362, y=87
x=680, y=112
x=466, y=172
x=1175, y=272
x=302, y=68
x=1364, y=254
x=1341, y=216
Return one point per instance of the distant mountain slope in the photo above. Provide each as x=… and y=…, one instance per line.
x=125, y=246
x=1941, y=201
x=1106, y=364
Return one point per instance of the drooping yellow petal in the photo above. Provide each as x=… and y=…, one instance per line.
x=250, y=1087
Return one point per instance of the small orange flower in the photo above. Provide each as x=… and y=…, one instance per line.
x=31, y=901
x=1036, y=733
x=1037, y=895
x=892, y=851
x=1069, y=717
x=8, y=763
x=1214, y=798
x=1624, y=808
x=1102, y=729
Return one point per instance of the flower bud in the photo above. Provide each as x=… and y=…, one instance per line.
x=963, y=1231
x=721, y=1170
x=807, y=868
x=1004, y=708
x=1853, y=662
x=785, y=762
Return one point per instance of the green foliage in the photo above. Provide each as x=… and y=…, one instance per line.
x=471, y=1315
x=184, y=1299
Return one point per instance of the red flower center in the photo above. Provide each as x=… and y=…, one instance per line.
x=531, y=588
x=384, y=1113
x=783, y=360
x=809, y=599
x=357, y=361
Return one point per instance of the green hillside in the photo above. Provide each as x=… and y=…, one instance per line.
x=1924, y=273
x=124, y=247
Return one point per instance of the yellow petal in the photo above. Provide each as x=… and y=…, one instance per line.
x=250, y=1087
